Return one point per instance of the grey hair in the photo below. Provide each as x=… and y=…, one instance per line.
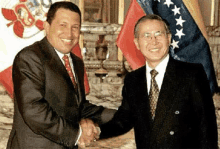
x=150, y=17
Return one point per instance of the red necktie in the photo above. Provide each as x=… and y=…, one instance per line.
x=69, y=70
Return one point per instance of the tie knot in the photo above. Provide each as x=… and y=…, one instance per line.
x=153, y=73
x=65, y=57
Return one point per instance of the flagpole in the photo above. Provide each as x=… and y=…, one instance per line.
x=81, y=7
x=120, y=21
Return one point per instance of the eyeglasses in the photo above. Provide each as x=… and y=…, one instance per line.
x=157, y=35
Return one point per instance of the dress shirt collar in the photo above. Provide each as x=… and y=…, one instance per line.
x=160, y=68
x=70, y=60
x=61, y=55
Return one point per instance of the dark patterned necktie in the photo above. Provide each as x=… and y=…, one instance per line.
x=154, y=92
x=69, y=70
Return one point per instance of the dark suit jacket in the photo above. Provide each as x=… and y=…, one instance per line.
x=185, y=114
x=47, y=108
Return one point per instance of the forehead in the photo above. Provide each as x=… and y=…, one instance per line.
x=151, y=25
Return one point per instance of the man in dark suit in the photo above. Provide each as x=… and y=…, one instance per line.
x=168, y=102
x=51, y=111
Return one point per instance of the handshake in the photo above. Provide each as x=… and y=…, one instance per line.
x=89, y=133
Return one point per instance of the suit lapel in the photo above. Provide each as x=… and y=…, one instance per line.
x=166, y=98
x=141, y=100
x=56, y=64
x=76, y=76
x=142, y=82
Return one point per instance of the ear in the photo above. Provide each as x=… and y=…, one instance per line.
x=136, y=43
x=169, y=38
x=46, y=26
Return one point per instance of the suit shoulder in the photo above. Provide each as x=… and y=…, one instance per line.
x=79, y=61
x=135, y=75
x=29, y=53
x=76, y=57
x=29, y=50
x=189, y=69
x=189, y=66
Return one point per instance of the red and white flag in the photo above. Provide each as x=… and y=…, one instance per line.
x=21, y=24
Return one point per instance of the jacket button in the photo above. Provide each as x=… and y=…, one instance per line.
x=177, y=112
x=171, y=132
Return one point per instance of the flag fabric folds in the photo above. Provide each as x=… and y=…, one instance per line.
x=6, y=80
x=188, y=43
x=77, y=51
x=16, y=35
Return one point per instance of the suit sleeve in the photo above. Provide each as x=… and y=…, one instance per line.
x=123, y=119
x=205, y=110
x=98, y=114
x=29, y=89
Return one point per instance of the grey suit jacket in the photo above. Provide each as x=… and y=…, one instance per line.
x=185, y=115
x=47, y=108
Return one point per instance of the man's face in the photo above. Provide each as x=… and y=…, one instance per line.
x=153, y=41
x=64, y=31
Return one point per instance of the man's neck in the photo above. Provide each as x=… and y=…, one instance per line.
x=153, y=65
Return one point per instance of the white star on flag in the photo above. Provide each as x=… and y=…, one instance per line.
x=139, y=8
x=175, y=44
x=168, y=3
x=179, y=33
x=176, y=10
x=180, y=21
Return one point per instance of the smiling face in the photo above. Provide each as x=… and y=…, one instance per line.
x=64, y=31
x=153, y=41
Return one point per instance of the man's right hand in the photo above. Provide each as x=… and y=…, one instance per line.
x=89, y=133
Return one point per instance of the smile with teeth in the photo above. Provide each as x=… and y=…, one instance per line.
x=154, y=50
x=67, y=41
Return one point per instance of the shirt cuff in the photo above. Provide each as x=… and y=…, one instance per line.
x=99, y=131
x=79, y=134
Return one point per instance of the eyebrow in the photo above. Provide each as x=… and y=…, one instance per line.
x=154, y=32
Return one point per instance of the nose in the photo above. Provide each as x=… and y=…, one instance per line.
x=154, y=40
x=68, y=32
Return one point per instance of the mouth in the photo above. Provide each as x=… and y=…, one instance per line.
x=154, y=50
x=67, y=41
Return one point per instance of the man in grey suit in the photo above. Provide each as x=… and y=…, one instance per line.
x=51, y=111
x=168, y=102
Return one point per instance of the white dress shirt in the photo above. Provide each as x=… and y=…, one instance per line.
x=70, y=60
x=72, y=68
x=160, y=68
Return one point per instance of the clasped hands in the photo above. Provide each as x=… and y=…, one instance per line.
x=90, y=133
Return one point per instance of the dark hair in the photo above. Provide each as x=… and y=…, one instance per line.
x=150, y=17
x=64, y=4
